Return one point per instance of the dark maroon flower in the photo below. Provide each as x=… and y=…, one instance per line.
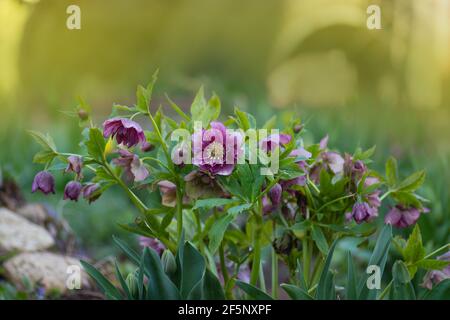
x=152, y=243
x=134, y=169
x=72, y=191
x=91, y=192
x=169, y=194
x=125, y=130
x=354, y=169
x=433, y=277
x=274, y=140
x=44, y=182
x=275, y=194
x=362, y=212
x=202, y=185
x=216, y=150
x=74, y=165
x=402, y=217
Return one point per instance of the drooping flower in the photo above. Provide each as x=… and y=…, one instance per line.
x=169, y=194
x=216, y=150
x=362, y=212
x=44, y=182
x=201, y=185
x=333, y=161
x=273, y=199
x=152, y=243
x=134, y=169
x=91, y=192
x=72, y=191
x=355, y=169
x=74, y=165
x=124, y=130
x=270, y=143
x=373, y=198
x=401, y=216
x=434, y=277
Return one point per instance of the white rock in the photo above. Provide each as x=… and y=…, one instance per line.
x=50, y=270
x=18, y=234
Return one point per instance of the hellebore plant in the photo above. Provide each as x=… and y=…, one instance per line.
x=233, y=189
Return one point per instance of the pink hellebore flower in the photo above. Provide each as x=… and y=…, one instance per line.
x=75, y=164
x=134, y=169
x=124, y=130
x=216, y=150
x=402, y=217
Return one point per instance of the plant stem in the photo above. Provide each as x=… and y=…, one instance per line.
x=385, y=194
x=386, y=290
x=256, y=259
x=335, y=200
x=179, y=215
x=306, y=260
x=262, y=280
x=223, y=265
x=274, y=274
x=446, y=246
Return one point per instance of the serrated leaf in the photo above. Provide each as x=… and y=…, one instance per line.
x=432, y=264
x=45, y=141
x=212, y=203
x=44, y=156
x=96, y=144
x=414, y=250
x=413, y=182
x=391, y=171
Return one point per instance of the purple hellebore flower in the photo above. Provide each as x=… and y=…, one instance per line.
x=362, y=212
x=91, y=192
x=168, y=193
x=74, y=165
x=72, y=191
x=402, y=217
x=355, y=169
x=334, y=161
x=125, y=130
x=44, y=182
x=274, y=140
x=134, y=169
x=323, y=143
x=436, y=276
x=373, y=198
x=216, y=150
x=152, y=243
x=202, y=185
x=275, y=194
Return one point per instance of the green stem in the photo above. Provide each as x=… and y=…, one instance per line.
x=256, y=259
x=385, y=194
x=274, y=274
x=179, y=215
x=335, y=200
x=262, y=280
x=223, y=266
x=306, y=261
x=444, y=247
x=386, y=290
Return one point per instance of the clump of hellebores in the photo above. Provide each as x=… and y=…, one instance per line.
x=228, y=190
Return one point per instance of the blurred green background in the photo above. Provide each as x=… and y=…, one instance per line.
x=388, y=87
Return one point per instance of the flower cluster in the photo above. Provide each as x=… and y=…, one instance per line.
x=220, y=200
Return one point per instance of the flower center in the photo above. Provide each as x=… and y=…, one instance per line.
x=214, y=153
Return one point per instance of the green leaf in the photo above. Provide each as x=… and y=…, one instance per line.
x=123, y=282
x=106, y=286
x=402, y=286
x=178, y=110
x=131, y=254
x=44, y=156
x=413, y=182
x=193, y=267
x=96, y=144
x=205, y=111
x=212, y=203
x=144, y=95
x=351, y=288
x=319, y=239
x=378, y=258
x=326, y=278
x=45, y=141
x=441, y=291
x=208, y=288
x=253, y=292
x=219, y=227
x=391, y=171
x=244, y=119
x=296, y=293
x=414, y=250
x=432, y=264
x=160, y=287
